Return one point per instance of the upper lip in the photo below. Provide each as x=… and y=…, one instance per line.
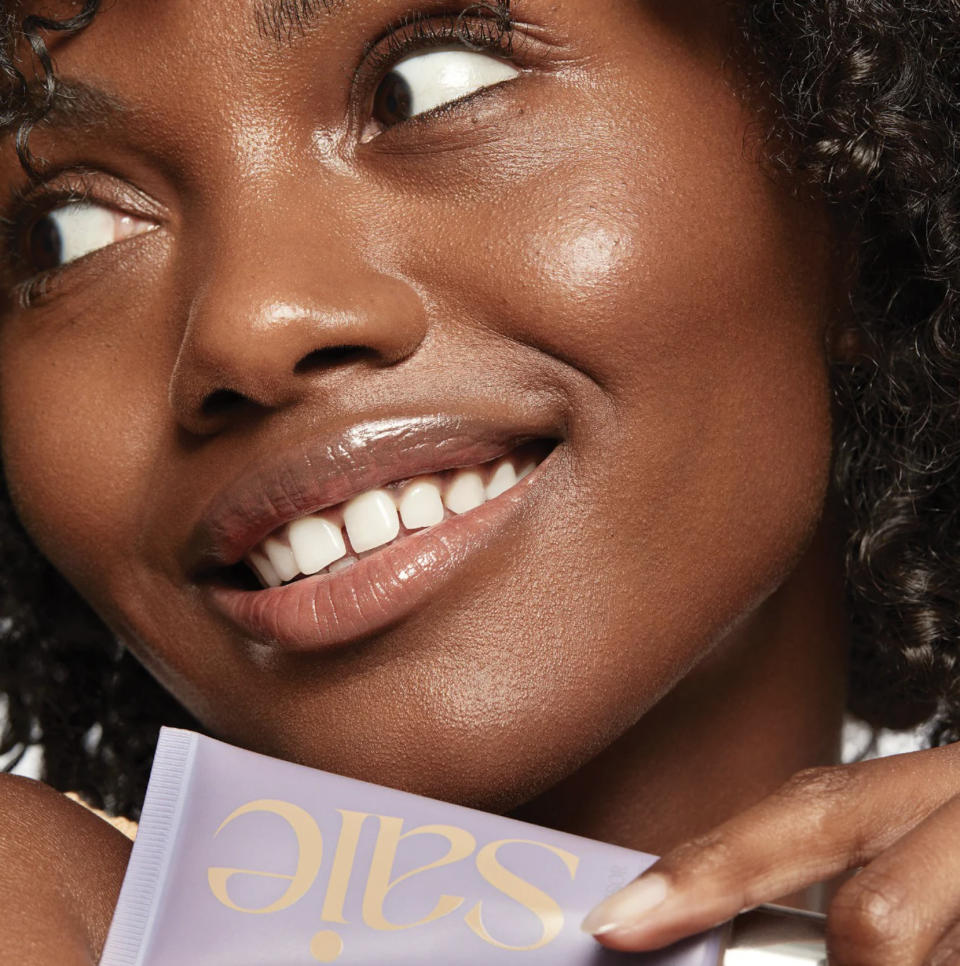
x=326, y=470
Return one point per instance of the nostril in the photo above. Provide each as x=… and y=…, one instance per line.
x=220, y=401
x=226, y=402
x=329, y=356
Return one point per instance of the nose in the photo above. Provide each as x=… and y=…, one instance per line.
x=262, y=332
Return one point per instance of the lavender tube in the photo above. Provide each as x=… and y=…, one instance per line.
x=245, y=859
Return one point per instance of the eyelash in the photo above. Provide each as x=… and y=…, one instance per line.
x=28, y=205
x=482, y=26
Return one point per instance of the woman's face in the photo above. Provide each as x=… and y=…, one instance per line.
x=299, y=282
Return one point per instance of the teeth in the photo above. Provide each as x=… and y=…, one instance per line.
x=266, y=573
x=504, y=476
x=421, y=504
x=281, y=557
x=316, y=543
x=343, y=564
x=465, y=492
x=371, y=520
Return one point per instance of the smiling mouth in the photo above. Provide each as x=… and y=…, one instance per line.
x=327, y=542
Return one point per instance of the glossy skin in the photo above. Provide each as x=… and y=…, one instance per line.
x=590, y=242
x=668, y=314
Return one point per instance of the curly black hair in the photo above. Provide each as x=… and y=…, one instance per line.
x=861, y=106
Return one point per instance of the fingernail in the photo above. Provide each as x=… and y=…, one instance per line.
x=628, y=905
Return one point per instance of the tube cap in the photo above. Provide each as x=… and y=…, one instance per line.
x=777, y=936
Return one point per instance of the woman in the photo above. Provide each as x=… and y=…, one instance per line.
x=670, y=286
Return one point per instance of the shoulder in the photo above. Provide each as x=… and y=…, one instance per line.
x=125, y=825
x=27, y=807
x=62, y=868
x=32, y=814
x=43, y=821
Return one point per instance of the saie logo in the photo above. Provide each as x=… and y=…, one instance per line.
x=380, y=880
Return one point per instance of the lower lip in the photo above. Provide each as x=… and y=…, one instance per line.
x=329, y=610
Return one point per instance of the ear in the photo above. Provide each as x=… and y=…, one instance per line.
x=845, y=342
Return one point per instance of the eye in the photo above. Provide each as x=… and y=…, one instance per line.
x=428, y=80
x=71, y=231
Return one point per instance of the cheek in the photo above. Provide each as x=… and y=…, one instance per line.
x=78, y=440
x=702, y=321
x=686, y=299
x=587, y=261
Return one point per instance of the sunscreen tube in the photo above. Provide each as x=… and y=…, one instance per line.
x=246, y=860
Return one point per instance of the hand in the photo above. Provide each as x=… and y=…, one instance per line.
x=62, y=867
x=897, y=817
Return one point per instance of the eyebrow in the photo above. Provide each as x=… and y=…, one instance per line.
x=76, y=103
x=281, y=20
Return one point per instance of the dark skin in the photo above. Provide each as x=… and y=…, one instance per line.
x=587, y=244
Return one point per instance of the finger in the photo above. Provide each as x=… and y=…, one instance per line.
x=823, y=821
x=894, y=911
